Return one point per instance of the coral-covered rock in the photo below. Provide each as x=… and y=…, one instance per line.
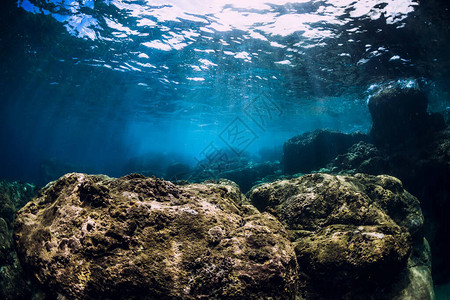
x=353, y=235
x=313, y=150
x=91, y=237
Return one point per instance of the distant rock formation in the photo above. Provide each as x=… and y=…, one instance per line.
x=399, y=116
x=90, y=237
x=237, y=169
x=313, y=150
x=178, y=171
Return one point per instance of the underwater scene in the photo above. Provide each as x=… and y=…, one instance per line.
x=225, y=149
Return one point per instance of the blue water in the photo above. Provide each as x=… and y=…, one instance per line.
x=121, y=86
x=114, y=86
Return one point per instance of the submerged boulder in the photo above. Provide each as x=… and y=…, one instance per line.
x=362, y=157
x=178, y=171
x=353, y=235
x=313, y=150
x=92, y=237
x=425, y=172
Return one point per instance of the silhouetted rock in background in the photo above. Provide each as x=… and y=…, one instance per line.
x=52, y=169
x=313, y=150
x=360, y=158
x=239, y=170
x=399, y=116
x=178, y=171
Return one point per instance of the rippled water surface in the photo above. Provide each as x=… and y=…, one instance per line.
x=100, y=83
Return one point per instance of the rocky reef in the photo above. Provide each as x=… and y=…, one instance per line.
x=425, y=172
x=13, y=283
x=405, y=141
x=135, y=237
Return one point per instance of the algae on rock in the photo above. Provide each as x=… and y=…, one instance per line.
x=13, y=284
x=353, y=235
x=89, y=237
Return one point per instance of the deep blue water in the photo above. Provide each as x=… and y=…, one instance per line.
x=110, y=86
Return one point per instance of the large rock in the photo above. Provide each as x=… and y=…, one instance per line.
x=313, y=150
x=399, y=115
x=425, y=172
x=94, y=237
x=353, y=235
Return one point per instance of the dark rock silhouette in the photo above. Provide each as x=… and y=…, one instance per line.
x=237, y=169
x=399, y=116
x=313, y=150
x=178, y=171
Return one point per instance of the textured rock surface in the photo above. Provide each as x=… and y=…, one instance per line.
x=360, y=158
x=13, y=284
x=313, y=150
x=425, y=172
x=92, y=237
x=353, y=235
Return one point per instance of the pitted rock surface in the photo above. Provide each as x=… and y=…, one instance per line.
x=92, y=237
x=352, y=234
